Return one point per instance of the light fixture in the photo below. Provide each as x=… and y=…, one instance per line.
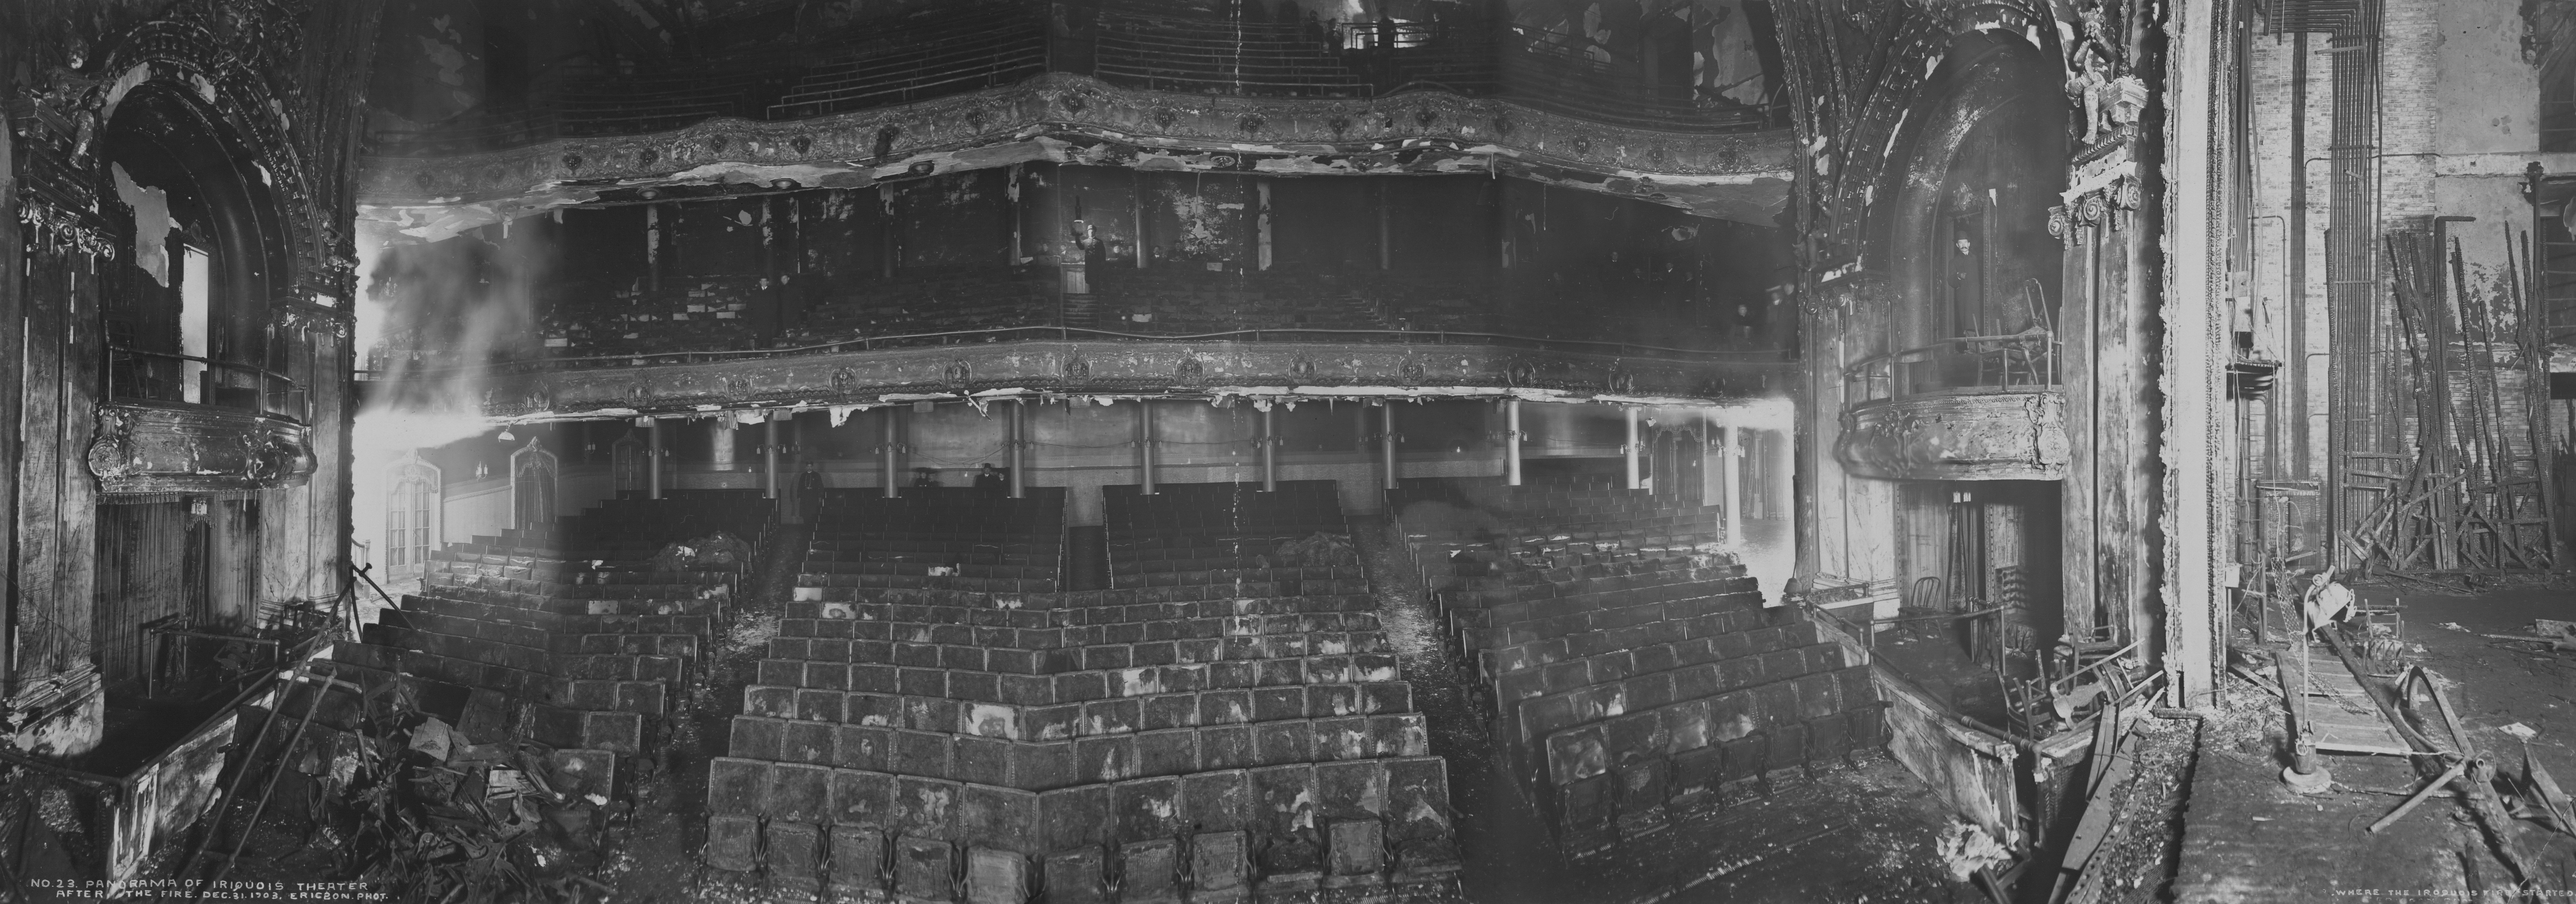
x=505, y=435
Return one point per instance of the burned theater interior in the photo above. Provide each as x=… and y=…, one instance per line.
x=1281, y=451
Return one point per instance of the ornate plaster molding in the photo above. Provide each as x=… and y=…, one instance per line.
x=159, y=447
x=1124, y=368
x=1081, y=119
x=1979, y=435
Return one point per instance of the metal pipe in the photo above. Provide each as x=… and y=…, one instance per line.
x=769, y=457
x=653, y=457
x=243, y=840
x=1145, y=446
x=1632, y=449
x=1511, y=442
x=1019, y=444
x=886, y=452
x=1270, y=450
x=1386, y=440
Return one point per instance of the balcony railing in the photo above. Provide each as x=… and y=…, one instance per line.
x=953, y=49
x=138, y=375
x=423, y=365
x=2023, y=359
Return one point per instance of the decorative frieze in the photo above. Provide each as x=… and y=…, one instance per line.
x=155, y=447
x=1121, y=368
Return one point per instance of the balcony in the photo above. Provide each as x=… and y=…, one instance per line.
x=1971, y=408
x=963, y=48
x=243, y=428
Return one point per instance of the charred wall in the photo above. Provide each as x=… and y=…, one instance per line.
x=265, y=84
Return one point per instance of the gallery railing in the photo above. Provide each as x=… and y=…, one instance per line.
x=958, y=48
x=430, y=367
x=135, y=374
x=2024, y=359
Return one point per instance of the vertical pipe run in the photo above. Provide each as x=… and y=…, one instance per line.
x=886, y=452
x=1512, y=442
x=769, y=457
x=1270, y=450
x=1145, y=446
x=1632, y=449
x=653, y=457
x=1019, y=444
x=1386, y=440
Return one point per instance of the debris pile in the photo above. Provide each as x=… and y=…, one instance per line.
x=719, y=550
x=424, y=811
x=1316, y=550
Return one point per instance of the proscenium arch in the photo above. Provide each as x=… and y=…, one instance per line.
x=166, y=138
x=1987, y=81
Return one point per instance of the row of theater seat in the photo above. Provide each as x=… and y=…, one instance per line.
x=1631, y=669
x=568, y=634
x=1218, y=739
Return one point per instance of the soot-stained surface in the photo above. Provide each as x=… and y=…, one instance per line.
x=1862, y=831
x=663, y=857
x=2247, y=838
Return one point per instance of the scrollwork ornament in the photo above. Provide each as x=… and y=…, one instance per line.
x=111, y=453
x=62, y=230
x=2127, y=195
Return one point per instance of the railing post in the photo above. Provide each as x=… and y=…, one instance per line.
x=1511, y=442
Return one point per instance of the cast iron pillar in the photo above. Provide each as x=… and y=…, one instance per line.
x=653, y=457
x=1270, y=450
x=1632, y=448
x=1386, y=440
x=1145, y=446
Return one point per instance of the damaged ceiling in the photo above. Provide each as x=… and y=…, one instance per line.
x=1078, y=120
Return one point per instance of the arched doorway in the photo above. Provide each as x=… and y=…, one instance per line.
x=532, y=485
x=412, y=503
x=1976, y=275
